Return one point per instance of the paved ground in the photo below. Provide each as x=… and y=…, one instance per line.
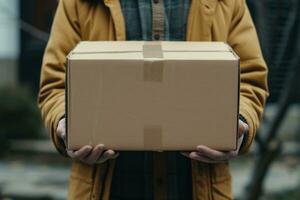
x=30, y=179
x=282, y=175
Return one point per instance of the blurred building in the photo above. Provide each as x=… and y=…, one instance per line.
x=37, y=16
x=9, y=41
x=278, y=26
x=24, y=31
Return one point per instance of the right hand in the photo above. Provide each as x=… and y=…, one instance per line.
x=86, y=154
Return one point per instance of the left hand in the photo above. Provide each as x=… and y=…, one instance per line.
x=208, y=155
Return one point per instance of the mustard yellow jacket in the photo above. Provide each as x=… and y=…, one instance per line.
x=209, y=20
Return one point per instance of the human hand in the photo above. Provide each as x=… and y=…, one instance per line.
x=209, y=155
x=87, y=154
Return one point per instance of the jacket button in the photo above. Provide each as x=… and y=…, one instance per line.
x=156, y=37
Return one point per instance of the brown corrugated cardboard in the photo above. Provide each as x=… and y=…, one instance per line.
x=152, y=96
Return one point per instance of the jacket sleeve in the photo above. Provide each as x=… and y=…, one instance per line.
x=253, y=78
x=65, y=34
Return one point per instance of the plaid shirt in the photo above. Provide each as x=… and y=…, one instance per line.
x=134, y=175
x=138, y=19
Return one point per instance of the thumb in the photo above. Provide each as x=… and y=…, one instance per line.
x=243, y=128
x=61, y=129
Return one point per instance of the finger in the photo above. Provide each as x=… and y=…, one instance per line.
x=212, y=154
x=95, y=154
x=196, y=156
x=109, y=154
x=186, y=154
x=83, y=152
x=243, y=128
x=115, y=156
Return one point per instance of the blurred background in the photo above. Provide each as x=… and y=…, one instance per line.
x=31, y=169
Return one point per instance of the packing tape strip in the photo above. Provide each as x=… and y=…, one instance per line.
x=152, y=50
x=153, y=138
x=153, y=71
x=153, y=68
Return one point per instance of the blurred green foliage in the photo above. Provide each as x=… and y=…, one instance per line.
x=19, y=115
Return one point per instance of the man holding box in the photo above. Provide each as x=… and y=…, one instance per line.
x=96, y=174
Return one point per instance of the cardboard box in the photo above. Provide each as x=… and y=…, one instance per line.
x=152, y=95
